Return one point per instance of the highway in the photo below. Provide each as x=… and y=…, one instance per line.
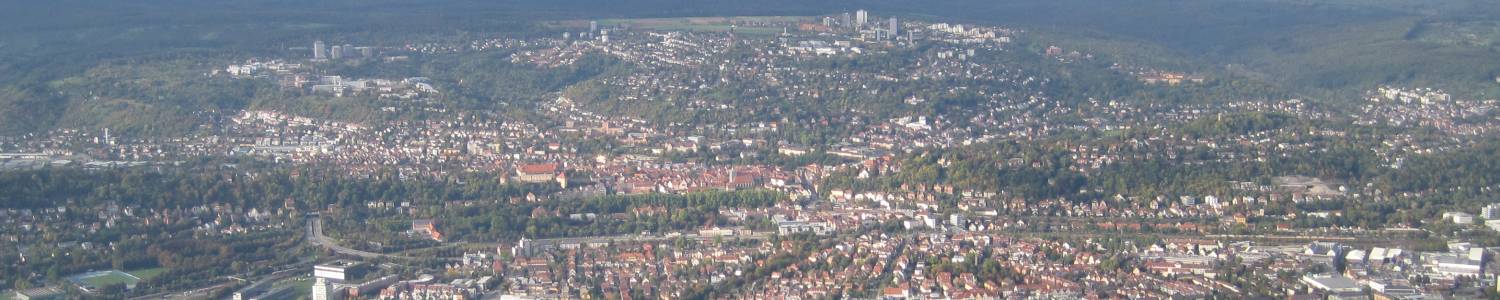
x=629, y=238
x=199, y=293
x=315, y=235
x=647, y=238
x=230, y=281
x=1358, y=241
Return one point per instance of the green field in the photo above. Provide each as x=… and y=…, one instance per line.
x=106, y=280
x=99, y=279
x=301, y=286
x=147, y=274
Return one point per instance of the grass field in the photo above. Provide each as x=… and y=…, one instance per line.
x=301, y=286
x=105, y=280
x=147, y=274
x=98, y=279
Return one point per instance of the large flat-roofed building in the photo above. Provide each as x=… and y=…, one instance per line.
x=537, y=173
x=339, y=270
x=1331, y=283
x=795, y=227
x=40, y=294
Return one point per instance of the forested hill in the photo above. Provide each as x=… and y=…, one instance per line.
x=1330, y=49
x=43, y=42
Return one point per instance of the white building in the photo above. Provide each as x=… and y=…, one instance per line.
x=1459, y=217
x=1331, y=283
x=1456, y=266
x=339, y=271
x=1490, y=212
x=319, y=50
x=322, y=290
x=795, y=227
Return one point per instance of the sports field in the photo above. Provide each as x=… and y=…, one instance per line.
x=98, y=279
x=147, y=274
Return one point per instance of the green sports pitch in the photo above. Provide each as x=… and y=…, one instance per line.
x=99, y=279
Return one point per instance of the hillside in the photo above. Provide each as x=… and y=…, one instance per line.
x=1321, y=49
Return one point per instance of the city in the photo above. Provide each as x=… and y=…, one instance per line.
x=852, y=155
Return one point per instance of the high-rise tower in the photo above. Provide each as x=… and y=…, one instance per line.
x=893, y=27
x=320, y=51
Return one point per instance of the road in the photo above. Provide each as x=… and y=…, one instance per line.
x=230, y=281
x=628, y=238
x=647, y=238
x=315, y=235
x=1370, y=241
x=199, y=293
